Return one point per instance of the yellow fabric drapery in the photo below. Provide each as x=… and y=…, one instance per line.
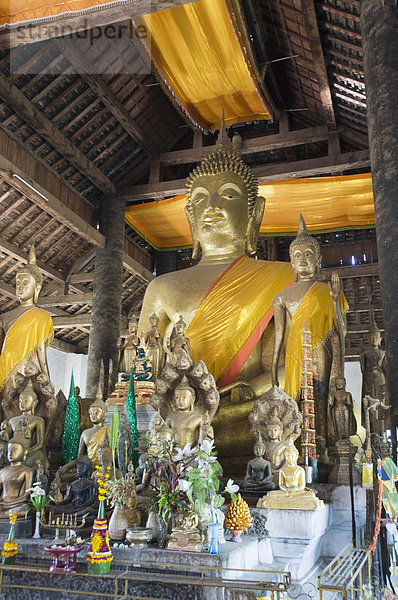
x=315, y=309
x=199, y=55
x=233, y=315
x=327, y=203
x=21, y=11
x=33, y=327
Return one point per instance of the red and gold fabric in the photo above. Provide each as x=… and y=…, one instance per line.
x=234, y=314
x=315, y=309
x=32, y=328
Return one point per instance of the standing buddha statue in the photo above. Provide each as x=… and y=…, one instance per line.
x=322, y=306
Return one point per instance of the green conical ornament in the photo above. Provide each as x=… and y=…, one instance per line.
x=71, y=437
x=132, y=419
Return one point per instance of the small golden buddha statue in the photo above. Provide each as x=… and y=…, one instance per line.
x=129, y=347
x=292, y=493
x=276, y=418
x=19, y=348
x=185, y=534
x=31, y=426
x=322, y=306
x=343, y=422
x=178, y=341
x=154, y=344
x=15, y=479
x=92, y=438
x=185, y=420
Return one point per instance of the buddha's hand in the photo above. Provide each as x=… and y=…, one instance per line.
x=335, y=287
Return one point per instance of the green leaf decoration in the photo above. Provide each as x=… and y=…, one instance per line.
x=71, y=437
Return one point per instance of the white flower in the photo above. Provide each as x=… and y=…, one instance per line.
x=186, y=452
x=183, y=484
x=207, y=446
x=231, y=487
x=206, y=471
x=205, y=460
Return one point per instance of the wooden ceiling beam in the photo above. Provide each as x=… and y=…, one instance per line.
x=65, y=300
x=314, y=40
x=103, y=91
x=251, y=145
x=44, y=127
x=72, y=321
x=266, y=172
x=22, y=257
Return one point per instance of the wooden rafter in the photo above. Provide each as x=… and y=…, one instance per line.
x=43, y=126
x=105, y=94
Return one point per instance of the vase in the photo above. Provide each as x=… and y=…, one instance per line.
x=36, y=534
x=118, y=523
x=236, y=533
x=164, y=529
x=213, y=545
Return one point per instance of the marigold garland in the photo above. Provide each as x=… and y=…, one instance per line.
x=99, y=555
x=10, y=546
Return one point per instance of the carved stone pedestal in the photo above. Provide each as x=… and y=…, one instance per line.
x=341, y=472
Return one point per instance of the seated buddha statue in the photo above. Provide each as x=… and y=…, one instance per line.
x=32, y=427
x=292, y=493
x=19, y=346
x=275, y=447
x=81, y=493
x=322, y=306
x=225, y=299
x=258, y=472
x=15, y=479
x=185, y=420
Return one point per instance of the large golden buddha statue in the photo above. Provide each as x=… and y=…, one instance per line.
x=322, y=306
x=26, y=331
x=226, y=299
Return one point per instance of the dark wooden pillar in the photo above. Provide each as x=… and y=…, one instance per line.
x=379, y=26
x=165, y=261
x=107, y=293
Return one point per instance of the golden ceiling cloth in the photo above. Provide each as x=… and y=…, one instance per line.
x=23, y=12
x=327, y=203
x=199, y=55
x=234, y=314
x=316, y=309
x=32, y=328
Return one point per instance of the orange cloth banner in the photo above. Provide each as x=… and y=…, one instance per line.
x=315, y=309
x=327, y=203
x=221, y=333
x=22, y=11
x=32, y=328
x=198, y=54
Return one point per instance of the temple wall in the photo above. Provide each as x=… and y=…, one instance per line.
x=61, y=364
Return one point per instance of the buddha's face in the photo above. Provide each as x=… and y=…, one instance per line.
x=183, y=399
x=220, y=209
x=96, y=414
x=77, y=391
x=375, y=339
x=259, y=449
x=291, y=458
x=133, y=326
x=274, y=432
x=82, y=469
x=27, y=401
x=26, y=287
x=153, y=321
x=15, y=452
x=305, y=260
x=339, y=383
